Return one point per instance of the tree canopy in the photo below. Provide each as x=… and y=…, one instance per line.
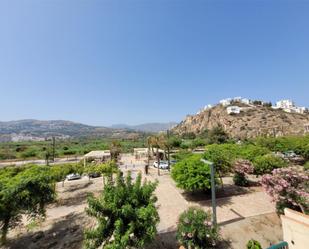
x=24, y=192
x=191, y=174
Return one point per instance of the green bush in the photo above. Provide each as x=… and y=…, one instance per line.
x=250, y=151
x=126, y=215
x=31, y=152
x=306, y=166
x=240, y=180
x=181, y=155
x=253, y=244
x=267, y=163
x=217, y=135
x=195, y=229
x=191, y=174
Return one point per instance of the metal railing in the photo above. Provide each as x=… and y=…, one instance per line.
x=281, y=245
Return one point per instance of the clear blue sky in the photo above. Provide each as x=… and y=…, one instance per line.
x=107, y=61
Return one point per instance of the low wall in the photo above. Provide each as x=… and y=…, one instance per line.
x=295, y=227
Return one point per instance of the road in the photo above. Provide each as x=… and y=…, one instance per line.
x=41, y=162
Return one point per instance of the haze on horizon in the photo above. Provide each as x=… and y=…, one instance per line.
x=109, y=62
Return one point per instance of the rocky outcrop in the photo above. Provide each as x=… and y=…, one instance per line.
x=252, y=121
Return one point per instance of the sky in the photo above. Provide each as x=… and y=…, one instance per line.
x=104, y=62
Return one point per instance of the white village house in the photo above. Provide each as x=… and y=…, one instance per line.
x=233, y=109
x=289, y=106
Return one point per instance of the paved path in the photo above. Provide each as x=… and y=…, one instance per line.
x=170, y=202
x=230, y=209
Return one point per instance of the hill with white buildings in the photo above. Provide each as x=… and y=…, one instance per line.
x=245, y=118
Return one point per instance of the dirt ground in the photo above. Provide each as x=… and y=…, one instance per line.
x=243, y=214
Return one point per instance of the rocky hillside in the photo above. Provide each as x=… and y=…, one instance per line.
x=39, y=130
x=252, y=121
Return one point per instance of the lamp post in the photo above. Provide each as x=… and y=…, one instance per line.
x=213, y=191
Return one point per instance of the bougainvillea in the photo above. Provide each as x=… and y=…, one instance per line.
x=242, y=168
x=288, y=187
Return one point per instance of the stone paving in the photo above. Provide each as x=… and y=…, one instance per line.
x=172, y=203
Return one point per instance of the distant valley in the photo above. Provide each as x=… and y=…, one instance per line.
x=39, y=130
x=147, y=127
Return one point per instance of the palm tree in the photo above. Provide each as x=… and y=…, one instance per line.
x=115, y=149
x=154, y=142
x=149, y=146
x=164, y=143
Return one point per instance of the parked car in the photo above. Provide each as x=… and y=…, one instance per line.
x=163, y=164
x=94, y=175
x=293, y=157
x=290, y=154
x=74, y=176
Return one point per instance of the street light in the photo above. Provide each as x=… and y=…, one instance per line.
x=213, y=191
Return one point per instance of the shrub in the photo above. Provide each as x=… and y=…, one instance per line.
x=195, y=229
x=182, y=154
x=242, y=168
x=250, y=151
x=31, y=152
x=191, y=174
x=306, y=166
x=126, y=215
x=288, y=188
x=265, y=164
x=217, y=135
x=253, y=244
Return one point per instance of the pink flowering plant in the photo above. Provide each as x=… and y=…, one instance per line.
x=195, y=229
x=288, y=187
x=241, y=169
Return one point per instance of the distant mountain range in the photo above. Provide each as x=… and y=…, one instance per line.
x=29, y=129
x=148, y=127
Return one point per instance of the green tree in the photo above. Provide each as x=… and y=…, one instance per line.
x=191, y=174
x=26, y=192
x=126, y=215
x=107, y=169
x=222, y=156
x=217, y=135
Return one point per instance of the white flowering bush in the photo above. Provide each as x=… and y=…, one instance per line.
x=288, y=187
x=195, y=229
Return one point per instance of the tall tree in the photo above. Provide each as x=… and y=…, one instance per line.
x=115, y=149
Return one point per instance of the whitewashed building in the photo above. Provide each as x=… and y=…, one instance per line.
x=225, y=102
x=285, y=104
x=289, y=106
x=233, y=109
x=245, y=101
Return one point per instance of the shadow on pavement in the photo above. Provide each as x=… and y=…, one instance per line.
x=66, y=233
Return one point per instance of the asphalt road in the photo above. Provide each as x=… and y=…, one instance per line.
x=41, y=162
